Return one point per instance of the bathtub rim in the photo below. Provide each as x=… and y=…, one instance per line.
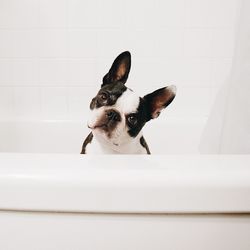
x=164, y=184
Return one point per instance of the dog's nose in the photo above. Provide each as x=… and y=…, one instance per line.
x=113, y=115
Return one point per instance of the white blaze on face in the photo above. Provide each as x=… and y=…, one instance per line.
x=127, y=103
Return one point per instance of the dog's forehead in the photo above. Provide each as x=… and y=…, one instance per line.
x=128, y=102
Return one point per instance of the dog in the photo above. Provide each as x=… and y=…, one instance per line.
x=118, y=114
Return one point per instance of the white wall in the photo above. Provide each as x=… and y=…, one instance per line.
x=53, y=53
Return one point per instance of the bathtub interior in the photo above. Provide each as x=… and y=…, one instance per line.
x=48, y=77
x=174, y=135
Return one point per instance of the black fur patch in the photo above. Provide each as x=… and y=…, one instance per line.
x=113, y=91
x=86, y=142
x=141, y=116
x=119, y=70
x=145, y=145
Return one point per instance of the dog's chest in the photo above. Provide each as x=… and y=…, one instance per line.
x=94, y=147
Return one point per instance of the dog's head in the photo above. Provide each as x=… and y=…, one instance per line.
x=119, y=114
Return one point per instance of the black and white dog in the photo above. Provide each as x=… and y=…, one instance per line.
x=118, y=114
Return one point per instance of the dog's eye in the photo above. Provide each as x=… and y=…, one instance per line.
x=132, y=120
x=103, y=96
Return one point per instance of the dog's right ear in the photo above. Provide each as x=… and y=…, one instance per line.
x=119, y=70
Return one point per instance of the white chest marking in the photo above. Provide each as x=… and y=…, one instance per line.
x=96, y=148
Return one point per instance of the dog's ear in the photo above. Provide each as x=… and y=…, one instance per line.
x=158, y=100
x=119, y=70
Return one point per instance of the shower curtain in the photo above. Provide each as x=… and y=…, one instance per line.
x=228, y=128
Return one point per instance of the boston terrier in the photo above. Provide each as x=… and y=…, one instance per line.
x=118, y=114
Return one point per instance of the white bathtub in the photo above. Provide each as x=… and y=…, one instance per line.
x=52, y=200
x=179, y=136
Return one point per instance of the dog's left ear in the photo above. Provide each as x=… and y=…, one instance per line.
x=158, y=100
x=119, y=70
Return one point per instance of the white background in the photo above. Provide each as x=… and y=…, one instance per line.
x=53, y=53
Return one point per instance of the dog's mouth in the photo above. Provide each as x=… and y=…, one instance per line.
x=98, y=126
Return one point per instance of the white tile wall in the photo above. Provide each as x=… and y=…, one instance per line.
x=16, y=14
x=54, y=71
x=6, y=102
x=18, y=43
x=26, y=102
x=211, y=14
x=19, y=71
x=54, y=103
x=53, y=14
x=52, y=42
x=53, y=53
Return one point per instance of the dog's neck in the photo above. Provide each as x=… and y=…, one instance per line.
x=99, y=146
